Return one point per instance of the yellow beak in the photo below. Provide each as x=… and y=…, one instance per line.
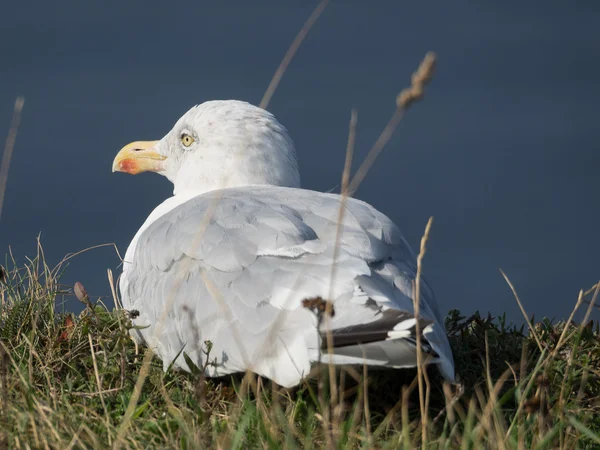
x=137, y=157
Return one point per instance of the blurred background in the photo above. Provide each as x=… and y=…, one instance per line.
x=504, y=151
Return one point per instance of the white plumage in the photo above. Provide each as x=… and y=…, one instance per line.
x=232, y=255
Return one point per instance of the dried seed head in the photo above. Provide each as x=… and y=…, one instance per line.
x=425, y=71
x=80, y=293
x=318, y=306
x=532, y=405
x=419, y=80
x=542, y=380
x=68, y=326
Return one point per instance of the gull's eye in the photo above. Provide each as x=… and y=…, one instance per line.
x=186, y=140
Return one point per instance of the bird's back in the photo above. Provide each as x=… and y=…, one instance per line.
x=234, y=267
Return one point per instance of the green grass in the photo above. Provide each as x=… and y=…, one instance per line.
x=67, y=381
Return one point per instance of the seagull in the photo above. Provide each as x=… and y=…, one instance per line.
x=243, y=270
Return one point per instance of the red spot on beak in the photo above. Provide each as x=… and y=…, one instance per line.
x=129, y=166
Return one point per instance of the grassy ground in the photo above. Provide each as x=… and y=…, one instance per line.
x=68, y=382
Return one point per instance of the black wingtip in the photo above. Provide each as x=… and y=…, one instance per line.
x=380, y=330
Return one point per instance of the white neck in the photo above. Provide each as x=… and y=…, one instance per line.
x=213, y=168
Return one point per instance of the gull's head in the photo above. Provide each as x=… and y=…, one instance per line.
x=215, y=145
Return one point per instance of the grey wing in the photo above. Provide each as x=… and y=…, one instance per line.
x=387, y=289
x=233, y=267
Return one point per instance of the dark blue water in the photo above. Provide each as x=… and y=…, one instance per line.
x=504, y=151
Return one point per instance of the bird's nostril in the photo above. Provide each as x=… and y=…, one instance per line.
x=137, y=149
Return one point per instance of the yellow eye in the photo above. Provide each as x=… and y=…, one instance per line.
x=186, y=140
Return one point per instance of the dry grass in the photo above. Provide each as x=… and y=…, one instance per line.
x=9, y=147
x=289, y=55
x=66, y=382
